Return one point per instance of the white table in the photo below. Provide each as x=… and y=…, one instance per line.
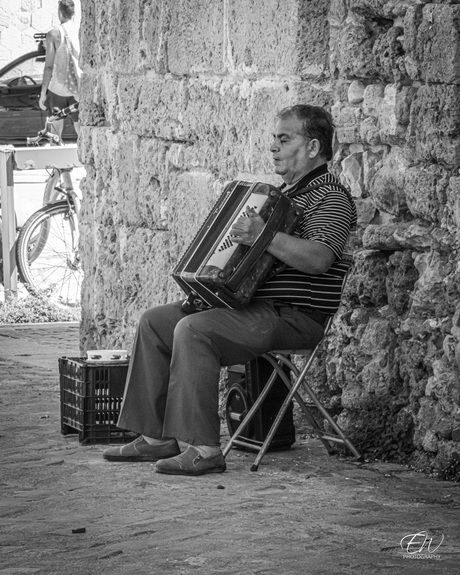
x=33, y=158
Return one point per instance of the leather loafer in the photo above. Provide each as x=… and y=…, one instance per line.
x=140, y=450
x=190, y=462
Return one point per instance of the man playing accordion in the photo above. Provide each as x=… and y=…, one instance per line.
x=172, y=389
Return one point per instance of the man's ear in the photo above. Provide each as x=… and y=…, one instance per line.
x=314, y=148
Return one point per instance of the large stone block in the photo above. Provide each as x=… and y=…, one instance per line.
x=425, y=191
x=130, y=274
x=191, y=197
x=376, y=336
x=195, y=38
x=152, y=107
x=413, y=358
x=347, y=119
x=366, y=212
x=98, y=99
x=451, y=215
x=402, y=276
x=352, y=174
x=140, y=183
x=430, y=297
x=434, y=130
x=394, y=112
x=89, y=28
x=431, y=43
x=379, y=9
x=366, y=285
x=367, y=47
x=387, y=185
x=98, y=26
x=121, y=23
x=431, y=417
x=443, y=386
x=232, y=139
x=312, y=40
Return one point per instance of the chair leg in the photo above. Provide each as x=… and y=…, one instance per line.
x=247, y=419
x=293, y=389
x=278, y=360
x=283, y=360
x=342, y=438
x=272, y=431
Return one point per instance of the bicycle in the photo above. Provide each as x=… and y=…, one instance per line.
x=47, y=248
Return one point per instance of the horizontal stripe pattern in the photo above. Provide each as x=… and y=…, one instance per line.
x=329, y=216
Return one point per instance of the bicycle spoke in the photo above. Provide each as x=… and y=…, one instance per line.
x=48, y=255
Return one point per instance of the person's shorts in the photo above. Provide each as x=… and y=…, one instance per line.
x=55, y=101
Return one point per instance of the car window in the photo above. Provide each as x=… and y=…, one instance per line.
x=28, y=72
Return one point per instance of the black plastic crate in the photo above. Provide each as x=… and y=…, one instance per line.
x=91, y=396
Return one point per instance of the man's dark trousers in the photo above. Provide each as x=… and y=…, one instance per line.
x=172, y=387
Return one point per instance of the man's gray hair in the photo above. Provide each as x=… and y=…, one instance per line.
x=317, y=124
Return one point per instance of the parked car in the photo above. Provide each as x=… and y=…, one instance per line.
x=20, y=87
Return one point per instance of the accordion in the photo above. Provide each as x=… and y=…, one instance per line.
x=216, y=272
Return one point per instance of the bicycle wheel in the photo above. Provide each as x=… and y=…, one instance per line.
x=47, y=254
x=53, y=192
x=55, y=186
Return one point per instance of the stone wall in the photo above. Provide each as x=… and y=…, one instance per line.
x=396, y=355
x=178, y=98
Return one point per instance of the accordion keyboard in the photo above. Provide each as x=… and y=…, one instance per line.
x=225, y=248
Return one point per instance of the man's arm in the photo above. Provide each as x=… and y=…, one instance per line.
x=51, y=38
x=304, y=255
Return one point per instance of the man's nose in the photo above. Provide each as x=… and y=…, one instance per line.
x=274, y=146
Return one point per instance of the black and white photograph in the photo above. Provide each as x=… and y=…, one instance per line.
x=229, y=287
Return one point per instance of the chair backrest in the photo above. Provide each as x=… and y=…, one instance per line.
x=347, y=262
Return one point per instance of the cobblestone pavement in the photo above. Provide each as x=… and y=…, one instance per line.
x=64, y=510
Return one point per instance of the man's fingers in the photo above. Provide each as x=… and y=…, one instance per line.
x=251, y=212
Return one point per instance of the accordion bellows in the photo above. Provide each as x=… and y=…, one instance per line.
x=216, y=272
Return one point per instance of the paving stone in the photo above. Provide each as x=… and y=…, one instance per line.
x=66, y=510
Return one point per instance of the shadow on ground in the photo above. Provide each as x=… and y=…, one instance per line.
x=66, y=510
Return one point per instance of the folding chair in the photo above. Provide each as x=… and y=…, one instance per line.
x=278, y=359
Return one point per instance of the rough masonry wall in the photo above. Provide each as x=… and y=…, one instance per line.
x=396, y=366
x=178, y=98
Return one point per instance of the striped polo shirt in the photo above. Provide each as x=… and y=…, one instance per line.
x=329, y=215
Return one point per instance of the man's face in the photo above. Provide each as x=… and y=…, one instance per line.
x=291, y=151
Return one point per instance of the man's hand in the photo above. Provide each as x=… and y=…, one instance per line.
x=304, y=255
x=41, y=101
x=247, y=228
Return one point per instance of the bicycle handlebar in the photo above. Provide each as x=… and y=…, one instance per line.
x=46, y=134
x=43, y=135
x=62, y=113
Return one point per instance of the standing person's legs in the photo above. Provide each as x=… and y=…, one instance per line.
x=54, y=101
